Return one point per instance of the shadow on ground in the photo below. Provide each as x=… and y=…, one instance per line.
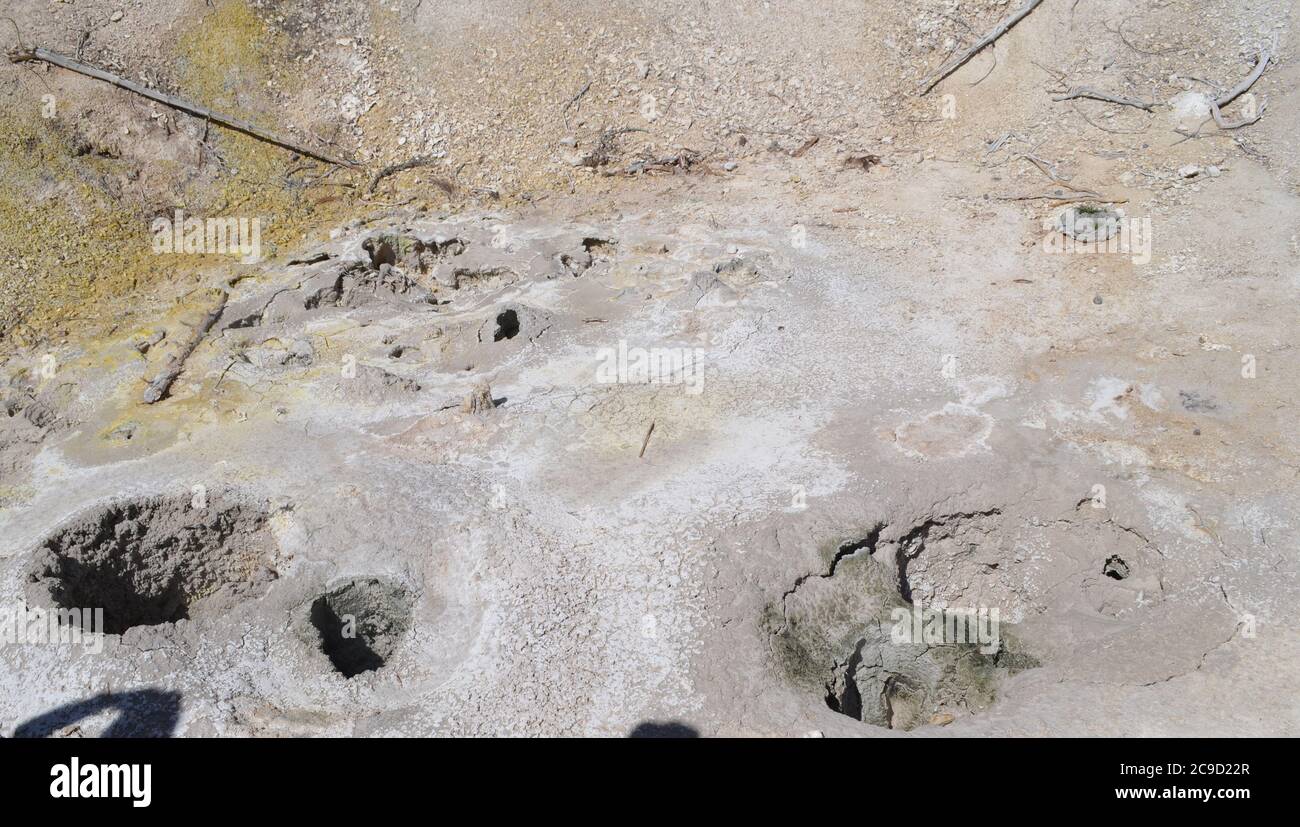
x=145, y=713
x=663, y=729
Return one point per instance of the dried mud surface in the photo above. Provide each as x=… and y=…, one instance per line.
x=885, y=388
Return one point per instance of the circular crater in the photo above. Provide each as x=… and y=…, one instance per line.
x=361, y=622
x=856, y=637
x=154, y=560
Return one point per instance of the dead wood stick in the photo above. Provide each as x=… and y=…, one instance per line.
x=158, y=387
x=1050, y=171
x=1218, y=117
x=577, y=97
x=996, y=32
x=1079, y=195
x=646, y=441
x=1232, y=94
x=1098, y=95
x=1062, y=198
x=1047, y=169
x=410, y=163
x=195, y=109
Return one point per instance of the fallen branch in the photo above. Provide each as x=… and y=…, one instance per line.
x=1059, y=195
x=997, y=31
x=1218, y=117
x=1050, y=171
x=73, y=65
x=158, y=387
x=1098, y=95
x=410, y=163
x=1229, y=96
x=1233, y=93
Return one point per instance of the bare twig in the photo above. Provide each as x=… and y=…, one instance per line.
x=577, y=97
x=996, y=32
x=22, y=47
x=606, y=145
x=997, y=144
x=158, y=386
x=74, y=65
x=992, y=66
x=1218, y=117
x=1050, y=171
x=1119, y=30
x=646, y=441
x=409, y=163
x=1056, y=73
x=1098, y=95
x=1217, y=87
x=805, y=146
x=1096, y=125
x=1062, y=196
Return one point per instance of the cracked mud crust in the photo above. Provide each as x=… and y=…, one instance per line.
x=693, y=355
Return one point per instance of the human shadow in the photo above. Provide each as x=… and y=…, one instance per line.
x=144, y=713
x=663, y=729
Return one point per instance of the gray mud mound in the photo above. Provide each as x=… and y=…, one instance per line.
x=360, y=623
x=156, y=560
x=835, y=636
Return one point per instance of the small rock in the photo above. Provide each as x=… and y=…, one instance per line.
x=1188, y=110
x=117, y=15
x=1189, y=171
x=144, y=344
x=479, y=400
x=1096, y=299
x=730, y=166
x=300, y=352
x=942, y=719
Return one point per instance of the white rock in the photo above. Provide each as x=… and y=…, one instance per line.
x=1189, y=110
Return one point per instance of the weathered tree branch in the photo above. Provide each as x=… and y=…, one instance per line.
x=74, y=65
x=997, y=31
x=1098, y=95
x=163, y=381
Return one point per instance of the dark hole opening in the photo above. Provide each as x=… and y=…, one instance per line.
x=381, y=252
x=507, y=326
x=1115, y=568
x=125, y=606
x=360, y=623
x=342, y=640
